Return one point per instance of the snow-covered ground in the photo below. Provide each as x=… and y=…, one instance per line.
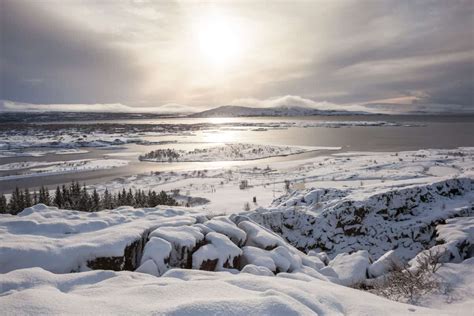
x=317, y=228
x=186, y=292
x=227, y=152
x=36, y=168
x=356, y=174
x=41, y=153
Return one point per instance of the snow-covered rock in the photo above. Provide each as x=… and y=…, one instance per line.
x=148, y=267
x=62, y=241
x=285, y=260
x=158, y=251
x=260, y=237
x=220, y=253
x=457, y=237
x=257, y=270
x=184, y=239
x=258, y=257
x=351, y=269
x=223, y=225
x=312, y=262
x=384, y=264
x=322, y=256
x=402, y=218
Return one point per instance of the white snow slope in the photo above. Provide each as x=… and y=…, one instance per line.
x=185, y=292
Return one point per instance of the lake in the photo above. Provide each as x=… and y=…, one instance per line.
x=410, y=133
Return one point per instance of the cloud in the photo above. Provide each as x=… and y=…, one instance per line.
x=10, y=106
x=46, y=58
x=292, y=100
x=143, y=53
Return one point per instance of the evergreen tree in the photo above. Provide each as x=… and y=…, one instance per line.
x=152, y=199
x=76, y=198
x=85, y=201
x=3, y=204
x=35, y=197
x=95, y=201
x=28, y=202
x=107, y=202
x=16, y=202
x=130, y=200
x=44, y=195
x=66, y=197
x=58, y=198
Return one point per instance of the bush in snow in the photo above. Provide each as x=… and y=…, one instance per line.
x=407, y=284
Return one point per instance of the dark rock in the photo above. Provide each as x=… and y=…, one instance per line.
x=209, y=265
x=129, y=261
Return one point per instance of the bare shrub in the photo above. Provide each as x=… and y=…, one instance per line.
x=430, y=260
x=406, y=284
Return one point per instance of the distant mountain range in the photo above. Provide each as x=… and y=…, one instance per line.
x=239, y=111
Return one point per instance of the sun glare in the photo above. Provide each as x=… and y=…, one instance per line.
x=219, y=39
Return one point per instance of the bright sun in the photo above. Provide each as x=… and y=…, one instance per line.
x=219, y=39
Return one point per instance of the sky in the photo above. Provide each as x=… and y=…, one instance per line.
x=139, y=55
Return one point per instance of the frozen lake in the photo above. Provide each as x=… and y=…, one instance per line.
x=350, y=133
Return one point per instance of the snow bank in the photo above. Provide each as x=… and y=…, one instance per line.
x=257, y=270
x=227, y=152
x=457, y=236
x=384, y=264
x=351, y=269
x=223, y=225
x=62, y=241
x=158, y=251
x=37, y=169
x=220, y=253
x=185, y=292
x=259, y=237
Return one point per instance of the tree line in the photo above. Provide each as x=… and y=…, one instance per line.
x=161, y=155
x=75, y=197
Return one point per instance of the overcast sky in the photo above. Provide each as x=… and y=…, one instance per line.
x=186, y=55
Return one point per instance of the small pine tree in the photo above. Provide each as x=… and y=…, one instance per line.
x=95, y=201
x=107, y=200
x=44, y=195
x=58, y=198
x=129, y=198
x=16, y=202
x=27, y=199
x=85, y=201
x=35, y=197
x=3, y=204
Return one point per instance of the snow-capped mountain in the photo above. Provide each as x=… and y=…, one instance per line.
x=285, y=110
